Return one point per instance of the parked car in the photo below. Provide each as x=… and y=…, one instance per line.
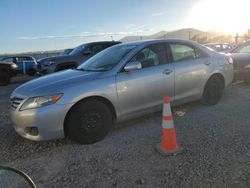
x=75, y=58
x=119, y=83
x=220, y=47
x=66, y=51
x=25, y=64
x=7, y=70
x=241, y=58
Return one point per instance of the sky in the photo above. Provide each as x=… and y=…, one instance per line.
x=28, y=25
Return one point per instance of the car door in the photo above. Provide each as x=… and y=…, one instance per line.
x=22, y=65
x=192, y=67
x=241, y=58
x=142, y=90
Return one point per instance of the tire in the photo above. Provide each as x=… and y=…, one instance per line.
x=88, y=122
x=4, y=78
x=213, y=90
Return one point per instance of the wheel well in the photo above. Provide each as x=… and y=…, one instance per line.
x=67, y=65
x=98, y=98
x=218, y=76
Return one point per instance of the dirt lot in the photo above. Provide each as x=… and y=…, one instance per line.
x=216, y=140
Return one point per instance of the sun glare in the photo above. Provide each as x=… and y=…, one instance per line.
x=224, y=15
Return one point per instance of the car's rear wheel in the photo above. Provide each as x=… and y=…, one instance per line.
x=4, y=78
x=88, y=122
x=213, y=90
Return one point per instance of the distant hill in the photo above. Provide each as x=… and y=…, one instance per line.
x=182, y=33
x=188, y=33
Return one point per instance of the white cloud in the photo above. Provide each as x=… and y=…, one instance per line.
x=82, y=35
x=133, y=30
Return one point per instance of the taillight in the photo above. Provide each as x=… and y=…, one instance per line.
x=230, y=60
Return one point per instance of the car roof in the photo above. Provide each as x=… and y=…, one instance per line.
x=216, y=43
x=155, y=41
x=103, y=42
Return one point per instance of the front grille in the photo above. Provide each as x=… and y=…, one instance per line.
x=15, y=102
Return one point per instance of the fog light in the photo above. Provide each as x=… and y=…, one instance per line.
x=32, y=131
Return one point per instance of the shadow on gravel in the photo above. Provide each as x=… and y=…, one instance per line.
x=15, y=147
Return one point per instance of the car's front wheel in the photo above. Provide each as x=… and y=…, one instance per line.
x=4, y=78
x=213, y=90
x=88, y=122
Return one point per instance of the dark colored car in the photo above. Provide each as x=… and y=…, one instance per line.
x=25, y=64
x=241, y=58
x=75, y=58
x=7, y=70
x=220, y=47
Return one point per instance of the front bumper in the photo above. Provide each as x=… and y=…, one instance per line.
x=48, y=120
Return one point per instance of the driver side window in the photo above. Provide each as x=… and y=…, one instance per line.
x=151, y=56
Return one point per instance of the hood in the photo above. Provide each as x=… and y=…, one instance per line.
x=6, y=63
x=54, y=83
x=57, y=58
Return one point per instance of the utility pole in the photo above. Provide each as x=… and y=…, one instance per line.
x=189, y=35
x=236, y=38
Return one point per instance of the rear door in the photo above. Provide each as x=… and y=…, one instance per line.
x=192, y=67
x=142, y=90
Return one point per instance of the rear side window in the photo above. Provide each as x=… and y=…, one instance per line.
x=182, y=52
x=151, y=56
x=22, y=59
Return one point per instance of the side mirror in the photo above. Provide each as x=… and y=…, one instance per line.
x=135, y=65
x=87, y=53
x=21, y=179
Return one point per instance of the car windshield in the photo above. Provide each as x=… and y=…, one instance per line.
x=106, y=59
x=66, y=52
x=78, y=49
x=244, y=48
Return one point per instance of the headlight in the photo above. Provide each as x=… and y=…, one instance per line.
x=13, y=66
x=37, y=102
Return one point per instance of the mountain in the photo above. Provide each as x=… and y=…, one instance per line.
x=182, y=33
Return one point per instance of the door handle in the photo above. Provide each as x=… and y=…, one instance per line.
x=167, y=71
x=207, y=62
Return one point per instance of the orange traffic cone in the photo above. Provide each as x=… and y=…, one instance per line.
x=168, y=145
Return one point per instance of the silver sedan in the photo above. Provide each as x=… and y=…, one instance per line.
x=119, y=83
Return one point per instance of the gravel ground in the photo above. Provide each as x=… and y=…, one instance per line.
x=216, y=140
